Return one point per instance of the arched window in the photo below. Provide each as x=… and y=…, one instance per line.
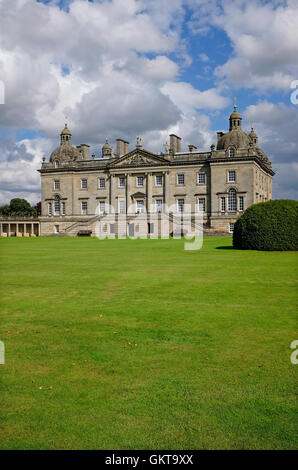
x=231, y=152
x=57, y=205
x=56, y=164
x=232, y=200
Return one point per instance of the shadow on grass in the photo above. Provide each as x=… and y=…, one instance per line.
x=225, y=248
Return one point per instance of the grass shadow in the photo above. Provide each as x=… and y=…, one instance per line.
x=225, y=248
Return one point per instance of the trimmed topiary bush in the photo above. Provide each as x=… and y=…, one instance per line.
x=269, y=226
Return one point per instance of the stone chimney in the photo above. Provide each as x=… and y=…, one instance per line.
x=84, y=149
x=126, y=147
x=122, y=147
x=175, y=143
x=192, y=148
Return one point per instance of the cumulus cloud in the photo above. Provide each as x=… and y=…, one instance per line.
x=276, y=125
x=18, y=168
x=263, y=35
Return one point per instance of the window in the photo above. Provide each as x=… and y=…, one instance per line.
x=231, y=153
x=223, y=204
x=180, y=205
x=63, y=208
x=101, y=207
x=121, y=182
x=158, y=205
x=232, y=200
x=231, y=227
x=56, y=164
x=50, y=208
x=84, y=207
x=140, y=181
x=101, y=183
x=56, y=185
x=241, y=203
x=231, y=176
x=158, y=180
x=122, y=207
x=180, y=178
x=140, y=206
x=84, y=183
x=202, y=204
x=201, y=178
x=57, y=205
x=57, y=228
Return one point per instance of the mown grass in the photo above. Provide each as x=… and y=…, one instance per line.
x=142, y=345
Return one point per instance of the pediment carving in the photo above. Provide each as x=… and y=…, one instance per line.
x=139, y=159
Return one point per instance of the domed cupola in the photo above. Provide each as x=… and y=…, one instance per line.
x=235, y=119
x=235, y=138
x=66, y=151
x=107, y=150
x=253, y=136
x=65, y=136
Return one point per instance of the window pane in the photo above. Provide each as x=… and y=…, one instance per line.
x=180, y=204
x=202, y=205
x=232, y=176
x=232, y=200
x=201, y=178
x=158, y=205
x=158, y=180
x=223, y=204
x=180, y=179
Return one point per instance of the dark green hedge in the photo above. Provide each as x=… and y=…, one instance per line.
x=269, y=226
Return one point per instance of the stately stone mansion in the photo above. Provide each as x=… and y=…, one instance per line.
x=78, y=190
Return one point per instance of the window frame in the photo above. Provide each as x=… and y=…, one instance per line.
x=141, y=178
x=234, y=172
x=232, y=203
x=142, y=204
x=56, y=185
x=183, y=177
x=161, y=182
x=200, y=174
x=82, y=185
x=204, y=204
x=100, y=180
x=84, y=211
x=121, y=178
x=158, y=207
x=179, y=207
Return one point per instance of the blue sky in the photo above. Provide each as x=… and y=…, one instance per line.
x=124, y=67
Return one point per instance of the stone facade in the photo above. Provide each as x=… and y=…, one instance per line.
x=78, y=190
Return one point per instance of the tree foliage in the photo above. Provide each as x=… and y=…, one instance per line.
x=269, y=226
x=18, y=207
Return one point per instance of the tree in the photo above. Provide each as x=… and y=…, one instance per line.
x=269, y=226
x=18, y=207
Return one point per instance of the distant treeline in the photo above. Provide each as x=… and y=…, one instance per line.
x=20, y=207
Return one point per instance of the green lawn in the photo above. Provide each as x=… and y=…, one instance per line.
x=142, y=345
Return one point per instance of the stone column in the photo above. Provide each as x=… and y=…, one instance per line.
x=1, y=230
x=110, y=191
x=147, y=190
x=32, y=229
x=126, y=192
x=8, y=233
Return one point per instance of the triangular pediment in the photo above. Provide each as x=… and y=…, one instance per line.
x=139, y=158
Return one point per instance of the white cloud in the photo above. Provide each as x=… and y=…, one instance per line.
x=276, y=126
x=264, y=37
